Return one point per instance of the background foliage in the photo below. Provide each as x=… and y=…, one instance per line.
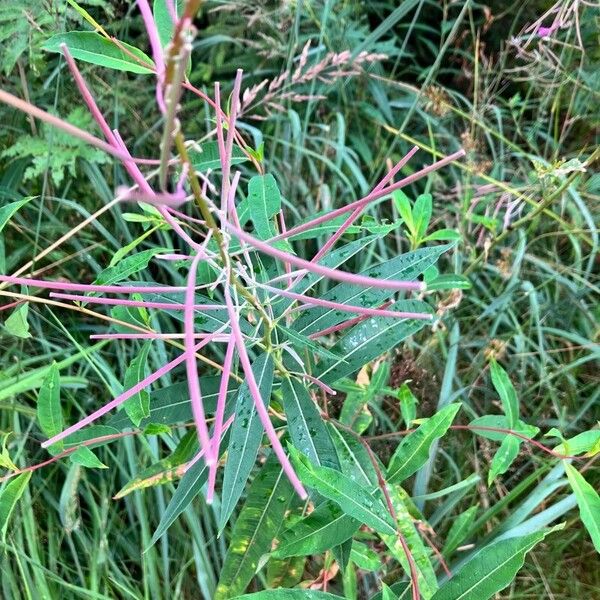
x=521, y=290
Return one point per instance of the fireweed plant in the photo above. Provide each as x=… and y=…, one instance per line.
x=283, y=351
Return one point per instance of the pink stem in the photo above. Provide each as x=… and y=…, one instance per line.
x=220, y=411
x=122, y=397
x=320, y=270
x=319, y=383
x=157, y=51
x=153, y=336
x=374, y=195
x=258, y=403
x=394, y=170
x=200, y=454
x=132, y=303
x=191, y=364
x=83, y=287
x=372, y=312
x=160, y=199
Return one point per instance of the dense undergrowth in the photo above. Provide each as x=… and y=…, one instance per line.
x=333, y=95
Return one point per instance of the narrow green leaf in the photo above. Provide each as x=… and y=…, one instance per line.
x=449, y=282
x=302, y=341
x=86, y=458
x=586, y=442
x=446, y=235
x=138, y=406
x=189, y=487
x=17, y=324
x=369, y=340
x=127, y=267
x=91, y=47
x=49, y=410
x=283, y=594
x=461, y=526
x=246, y=436
x=504, y=457
x=8, y=499
x=355, y=500
x=8, y=210
x=588, y=502
x=490, y=570
x=506, y=391
x=305, y=426
x=255, y=528
x=413, y=451
x=501, y=422
x=406, y=266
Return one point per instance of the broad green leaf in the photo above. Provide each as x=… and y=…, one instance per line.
x=8, y=210
x=506, y=391
x=355, y=500
x=91, y=47
x=501, y=422
x=459, y=530
x=246, y=436
x=355, y=411
x=49, y=410
x=208, y=157
x=138, y=406
x=17, y=324
x=353, y=458
x=255, y=528
x=586, y=442
x=327, y=526
x=404, y=208
x=305, y=425
x=264, y=202
x=9, y=497
x=490, y=570
x=413, y=451
x=86, y=458
x=588, y=502
x=405, y=523
x=504, y=457
x=283, y=594
x=364, y=557
x=406, y=266
x=369, y=340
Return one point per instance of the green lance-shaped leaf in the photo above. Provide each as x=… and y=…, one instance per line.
x=326, y=527
x=459, y=530
x=421, y=214
x=189, y=487
x=163, y=20
x=501, y=422
x=91, y=47
x=138, y=406
x=86, y=458
x=369, y=340
x=506, y=391
x=127, y=267
x=8, y=499
x=303, y=342
x=406, y=266
x=405, y=522
x=8, y=210
x=413, y=451
x=255, y=528
x=355, y=500
x=588, y=502
x=490, y=570
x=586, y=442
x=16, y=324
x=504, y=457
x=283, y=594
x=306, y=427
x=49, y=411
x=245, y=439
